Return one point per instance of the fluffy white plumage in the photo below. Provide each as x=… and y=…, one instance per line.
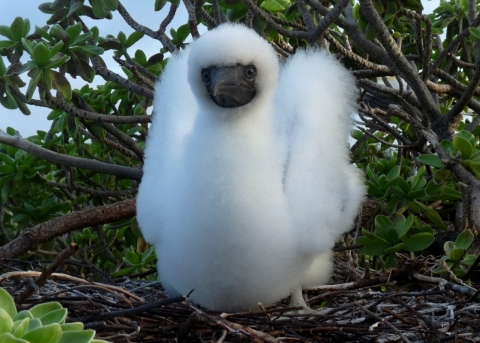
x=244, y=204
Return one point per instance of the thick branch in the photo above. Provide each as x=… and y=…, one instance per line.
x=44, y=232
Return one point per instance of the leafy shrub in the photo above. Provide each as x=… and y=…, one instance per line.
x=43, y=323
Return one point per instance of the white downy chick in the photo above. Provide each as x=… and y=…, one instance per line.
x=246, y=180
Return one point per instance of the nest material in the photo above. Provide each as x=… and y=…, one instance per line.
x=397, y=306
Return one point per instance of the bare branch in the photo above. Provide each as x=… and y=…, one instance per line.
x=399, y=60
x=32, y=237
x=70, y=161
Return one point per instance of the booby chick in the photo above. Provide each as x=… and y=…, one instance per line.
x=247, y=182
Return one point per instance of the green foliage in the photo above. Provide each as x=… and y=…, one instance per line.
x=394, y=236
x=42, y=323
x=456, y=259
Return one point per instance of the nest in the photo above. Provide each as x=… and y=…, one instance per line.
x=400, y=305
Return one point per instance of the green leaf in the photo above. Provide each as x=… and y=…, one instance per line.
x=50, y=333
x=84, y=336
x=418, y=181
x=7, y=159
x=56, y=316
x=419, y=242
x=133, y=38
x=159, y=4
x=19, y=28
x=9, y=338
x=394, y=249
x=5, y=31
x=40, y=310
x=464, y=239
x=431, y=160
x=394, y=173
x=61, y=84
x=404, y=226
x=44, y=34
x=111, y=4
x=41, y=54
x=468, y=136
x=6, y=169
x=431, y=214
x=75, y=5
x=99, y=9
x=88, y=49
x=382, y=223
x=473, y=166
x=131, y=257
x=272, y=6
x=58, y=60
x=140, y=58
x=433, y=188
x=456, y=254
x=6, y=322
x=54, y=52
x=21, y=217
x=7, y=303
x=372, y=247
x=474, y=33
x=469, y=260
x=464, y=146
x=182, y=33
x=76, y=326
x=20, y=327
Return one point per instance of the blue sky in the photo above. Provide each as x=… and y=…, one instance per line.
x=144, y=14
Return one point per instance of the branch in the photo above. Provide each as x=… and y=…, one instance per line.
x=452, y=164
x=329, y=19
x=158, y=35
x=70, y=161
x=359, y=60
x=355, y=33
x=105, y=118
x=42, y=279
x=109, y=75
x=44, y=232
x=399, y=60
x=94, y=192
x=192, y=19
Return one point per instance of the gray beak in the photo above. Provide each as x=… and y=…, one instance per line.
x=231, y=86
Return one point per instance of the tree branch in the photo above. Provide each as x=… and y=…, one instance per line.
x=70, y=161
x=32, y=237
x=399, y=60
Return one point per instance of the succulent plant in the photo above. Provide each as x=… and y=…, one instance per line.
x=43, y=323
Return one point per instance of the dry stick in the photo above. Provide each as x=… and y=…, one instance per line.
x=70, y=161
x=32, y=237
x=234, y=328
x=133, y=311
x=42, y=279
x=464, y=289
x=377, y=317
x=60, y=276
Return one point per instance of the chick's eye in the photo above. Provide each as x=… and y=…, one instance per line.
x=250, y=72
x=206, y=76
